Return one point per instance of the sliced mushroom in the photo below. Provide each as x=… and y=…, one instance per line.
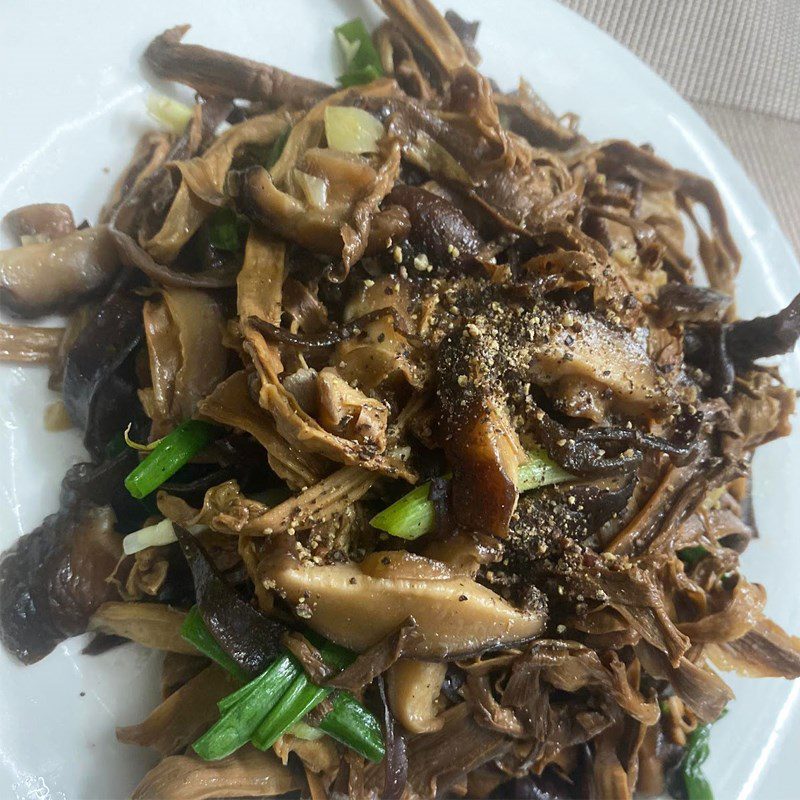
x=214, y=73
x=484, y=452
x=438, y=228
x=356, y=605
x=184, y=715
x=187, y=358
x=414, y=687
x=247, y=773
x=38, y=278
x=348, y=412
x=231, y=404
x=55, y=577
x=46, y=220
x=27, y=345
x=150, y=624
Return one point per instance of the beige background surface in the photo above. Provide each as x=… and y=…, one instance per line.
x=738, y=63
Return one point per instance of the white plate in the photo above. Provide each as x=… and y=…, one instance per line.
x=72, y=106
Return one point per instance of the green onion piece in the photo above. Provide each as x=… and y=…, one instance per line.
x=697, y=750
x=237, y=724
x=358, y=77
x=173, y=451
x=334, y=655
x=172, y=114
x=691, y=555
x=276, y=148
x=195, y=632
x=351, y=724
x=540, y=470
x=362, y=62
x=413, y=514
x=410, y=517
x=276, y=701
x=230, y=700
x=227, y=230
x=300, y=698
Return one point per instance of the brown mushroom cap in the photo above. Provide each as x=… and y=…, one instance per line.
x=356, y=605
x=39, y=278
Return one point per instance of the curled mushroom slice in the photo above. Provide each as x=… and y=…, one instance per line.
x=45, y=220
x=356, y=605
x=414, y=687
x=202, y=179
x=215, y=73
x=27, y=345
x=422, y=23
x=39, y=278
x=246, y=773
x=343, y=228
x=347, y=411
x=150, y=624
x=183, y=331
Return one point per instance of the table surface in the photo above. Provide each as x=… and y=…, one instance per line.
x=738, y=63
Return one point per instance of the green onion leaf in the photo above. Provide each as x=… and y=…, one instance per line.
x=351, y=724
x=195, y=632
x=276, y=701
x=413, y=514
x=300, y=698
x=276, y=148
x=358, y=77
x=227, y=230
x=174, y=450
x=695, y=755
x=230, y=700
x=691, y=555
x=540, y=470
x=410, y=517
x=362, y=62
x=237, y=724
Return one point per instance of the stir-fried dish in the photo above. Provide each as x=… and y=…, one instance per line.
x=420, y=431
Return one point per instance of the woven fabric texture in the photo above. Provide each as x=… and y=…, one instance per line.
x=738, y=63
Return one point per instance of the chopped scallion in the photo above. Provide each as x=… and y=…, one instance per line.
x=227, y=230
x=276, y=701
x=362, y=62
x=300, y=698
x=697, y=751
x=237, y=724
x=410, y=517
x=351, y=724
x=152, y=536
x=358, y=77
x=195, y=632
x=413, y=514
x=540, y=470
x=172, y=114
x=174, y=450
x=691, y=555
